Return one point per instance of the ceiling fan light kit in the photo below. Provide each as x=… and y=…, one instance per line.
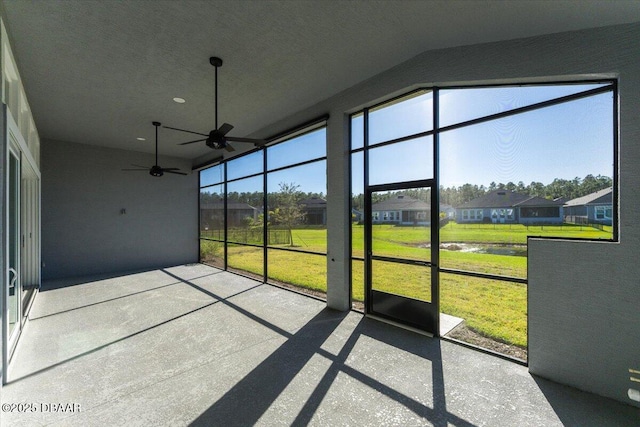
x=217, y=138
x=156, y=170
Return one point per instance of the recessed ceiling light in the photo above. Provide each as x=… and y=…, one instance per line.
x=141, y=139
x=179, y=100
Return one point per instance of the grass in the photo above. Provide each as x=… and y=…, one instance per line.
x=502, y=265
x=473, y=233
x=310, y=239
x=283, y=265
x=296, y=268
x=517, y=233
x=493, y=308
x=405, y=280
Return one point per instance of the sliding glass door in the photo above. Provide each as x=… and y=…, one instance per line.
x=13, y=288
x=21, y=231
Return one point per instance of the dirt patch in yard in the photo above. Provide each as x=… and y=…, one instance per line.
x=463, y=333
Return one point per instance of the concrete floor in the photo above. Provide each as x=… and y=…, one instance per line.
x=193, y=345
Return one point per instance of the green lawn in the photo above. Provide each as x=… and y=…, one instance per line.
x=310, y=239
x=517, y=233
x=476, y=233
x=493, y=308
x=496, y=309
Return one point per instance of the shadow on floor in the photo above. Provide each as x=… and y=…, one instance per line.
x=52, y=284
x=578, y=408
x=251, y=397
x=59, y=284
x=346, y=364
x=216, y=300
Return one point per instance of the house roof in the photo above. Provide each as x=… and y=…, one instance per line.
x=600, y=197
x=507, y=199
x=230, y=206
x=401, y=203
x=314, y=202
x=539, y=201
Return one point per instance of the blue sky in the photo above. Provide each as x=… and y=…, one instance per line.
x=310, y=177
x=568, y=140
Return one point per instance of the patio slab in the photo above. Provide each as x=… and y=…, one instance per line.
x=193, y=345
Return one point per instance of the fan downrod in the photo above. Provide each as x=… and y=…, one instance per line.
x=215, y=61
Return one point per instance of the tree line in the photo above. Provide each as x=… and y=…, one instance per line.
x=566, y=189
x=255, y=199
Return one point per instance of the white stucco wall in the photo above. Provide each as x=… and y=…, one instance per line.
x=83, y=230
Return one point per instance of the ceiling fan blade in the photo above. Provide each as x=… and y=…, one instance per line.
x=170, y=169
x=140, y=166
x=188, y=131
x=250, y=140
x=225, y=128
x=191, y=142
x=136, y=169
x=176, y=172
x=229, y=148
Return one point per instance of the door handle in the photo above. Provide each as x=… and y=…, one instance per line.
x=12, y=283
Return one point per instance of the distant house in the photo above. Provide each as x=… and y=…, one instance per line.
x=315, y=210
x=594, y=208
x=509, y=207
x=401, y=210
x=212, y=214
x=447, y=211
x=356, y=215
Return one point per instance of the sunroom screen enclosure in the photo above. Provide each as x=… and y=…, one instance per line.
x=255, y=217
x=495, y=165
x=537, y=145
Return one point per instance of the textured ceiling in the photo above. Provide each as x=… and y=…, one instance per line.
x=99, y=72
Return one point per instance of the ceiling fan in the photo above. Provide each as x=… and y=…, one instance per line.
x=156, y=170
x=217, y=138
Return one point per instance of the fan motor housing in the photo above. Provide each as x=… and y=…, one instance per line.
x=155, y=171
x=216, y=140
